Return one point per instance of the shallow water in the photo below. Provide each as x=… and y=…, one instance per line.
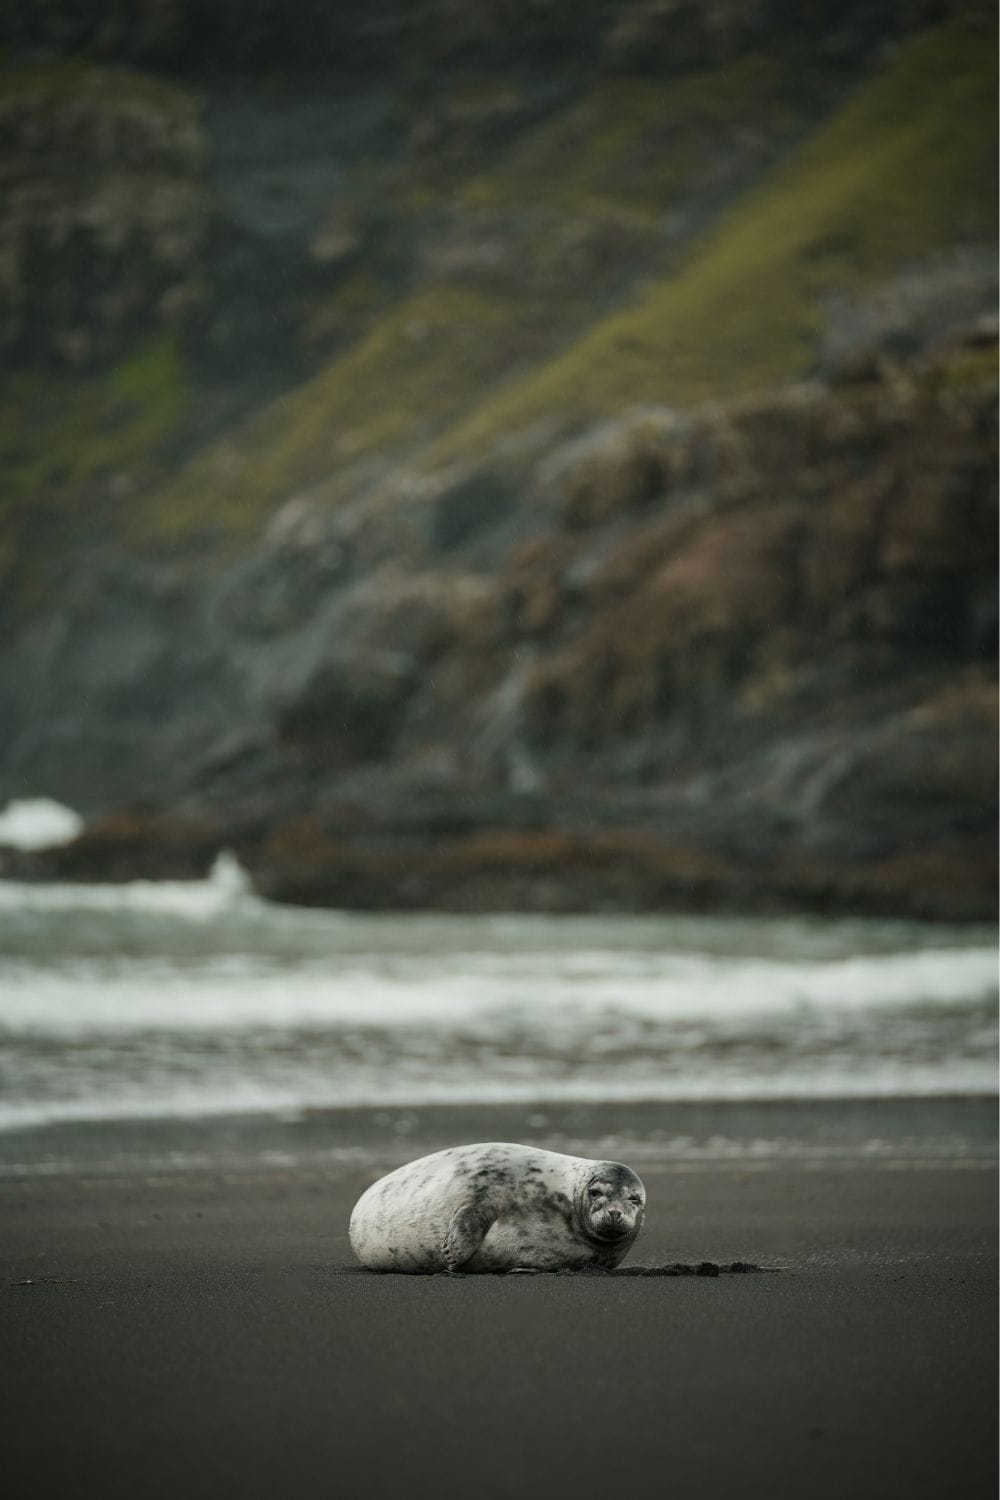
x=182, y=1001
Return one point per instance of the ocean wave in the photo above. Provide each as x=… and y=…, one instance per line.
x=226, y=887
x=232, y=993
x=216, y=1099
x=194, y=999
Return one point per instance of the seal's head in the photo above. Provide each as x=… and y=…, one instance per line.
x=611, y=1204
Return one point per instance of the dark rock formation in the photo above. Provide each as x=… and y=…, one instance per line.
x=364, y=511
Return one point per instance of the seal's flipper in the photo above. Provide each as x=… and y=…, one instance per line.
x=466, y=1233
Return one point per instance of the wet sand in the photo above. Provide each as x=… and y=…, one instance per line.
x=206, y=1334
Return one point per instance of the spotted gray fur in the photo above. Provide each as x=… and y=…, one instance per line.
x=498, y=1207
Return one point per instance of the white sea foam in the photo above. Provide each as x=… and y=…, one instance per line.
x=38, y=823
x=469, y=989
x=227, y=887
x=220, y=1098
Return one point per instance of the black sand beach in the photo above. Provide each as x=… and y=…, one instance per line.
x=205, y=1333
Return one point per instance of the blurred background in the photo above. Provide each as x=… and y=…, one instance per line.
x=461, y=459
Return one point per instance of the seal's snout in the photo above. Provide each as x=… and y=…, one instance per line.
x=613, y=1223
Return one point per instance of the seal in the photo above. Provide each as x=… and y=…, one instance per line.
x=498, y=1207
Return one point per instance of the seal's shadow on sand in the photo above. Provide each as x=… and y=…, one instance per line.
x=677, y=1268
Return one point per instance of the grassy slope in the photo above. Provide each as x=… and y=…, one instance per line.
x=63, y=434
x=904, y=169
x=59, y=435
x=421, y=358
x=611, y=162
x=631, y=144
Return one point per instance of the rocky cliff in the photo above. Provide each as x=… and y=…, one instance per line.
x=505, y=456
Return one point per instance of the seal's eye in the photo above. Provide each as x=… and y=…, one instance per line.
x=596, y=1192
x=634, y=1198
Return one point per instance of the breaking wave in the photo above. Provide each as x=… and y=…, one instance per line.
x=196, y=998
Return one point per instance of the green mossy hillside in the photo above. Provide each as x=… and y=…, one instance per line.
x=423, y=361
x=899, y=171
x=514, y=260
x=904, y=169
x=519, y=254
x=630, y=143
x=62, y=442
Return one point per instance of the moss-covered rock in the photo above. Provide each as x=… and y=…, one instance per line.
x=897, y=173
x=72, y=452
x=105, y=211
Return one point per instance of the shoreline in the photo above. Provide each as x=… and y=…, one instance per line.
x=547, y=870
x=694, y=1133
